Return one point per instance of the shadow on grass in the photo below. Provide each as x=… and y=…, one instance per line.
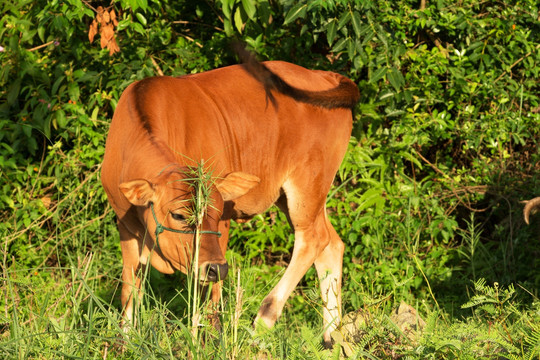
x=496, y=244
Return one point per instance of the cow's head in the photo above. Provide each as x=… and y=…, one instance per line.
x=168, y=207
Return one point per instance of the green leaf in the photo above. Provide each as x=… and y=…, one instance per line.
x=74, y=91
x=340, y=45
x=238, y=20
x=331, y=30
x=381, y=34
x=141, y=18
x=371, y=197
x=95, y=113
x=60, y=116
x=56, y=84
x=41, y=33
x=395, y=78
x=227, y=25
x=265, y=12
x=299, y=10
x=358, y=63
x=378, y=74
x=357, y=23
x=138, y=28
x=27, y=130
x=13, y=91
x=249, y=8
x=122, y=24
x=344, y=20
x=226, y=7
x=77, y=74
x=351, y=48
x=143, y=4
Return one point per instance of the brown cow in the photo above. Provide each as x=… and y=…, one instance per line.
x=284, y=151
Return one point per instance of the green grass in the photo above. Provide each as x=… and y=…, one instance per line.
x=72, y=311
x=60, y=281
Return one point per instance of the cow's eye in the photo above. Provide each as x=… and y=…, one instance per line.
x=178, y=217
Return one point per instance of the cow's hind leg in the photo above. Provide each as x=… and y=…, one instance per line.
x=329, y=265
x=304, y=255
x=315, y=242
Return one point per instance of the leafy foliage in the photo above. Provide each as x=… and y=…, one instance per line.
x=448, y=125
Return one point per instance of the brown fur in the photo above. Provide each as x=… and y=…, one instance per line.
x=344, y=95
x=260, y=154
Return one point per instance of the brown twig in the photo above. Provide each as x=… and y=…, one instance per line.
x=158, y=69
x=530, y=207
x=437, y=42
x=185, y=22
x=192, y=40
x=95, y=10
x=454, y=190
x=90, y=6
x=515, y=63
x=42, y=46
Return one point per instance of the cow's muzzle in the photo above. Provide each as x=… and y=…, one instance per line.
x=214, y=272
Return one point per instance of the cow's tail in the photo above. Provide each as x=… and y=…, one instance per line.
x=345, y=95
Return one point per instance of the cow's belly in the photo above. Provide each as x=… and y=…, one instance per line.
x=253, y=203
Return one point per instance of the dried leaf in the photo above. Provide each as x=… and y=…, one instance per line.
x=46, y=201
x=92, y=32
x=114, y=17
x=106, y=17
x=99, y=15
x=409, y=322
x=113, y=47
x=108, y=21
x=103, y=43
x=107, y=32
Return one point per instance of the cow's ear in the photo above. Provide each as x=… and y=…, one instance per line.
x=138, y=192
x=236, y=184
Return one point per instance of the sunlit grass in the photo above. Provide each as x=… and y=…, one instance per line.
x=67, y=306
x=73, y=312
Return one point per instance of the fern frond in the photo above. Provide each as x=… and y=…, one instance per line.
x=533, y=340
x=478, y=300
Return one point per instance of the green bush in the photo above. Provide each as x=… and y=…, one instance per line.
x=447, y=126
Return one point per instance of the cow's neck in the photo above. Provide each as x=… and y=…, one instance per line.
x=150, y=159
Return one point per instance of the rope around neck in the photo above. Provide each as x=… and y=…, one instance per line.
x=161, y=228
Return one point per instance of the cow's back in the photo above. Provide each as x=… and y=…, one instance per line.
x=224, y=116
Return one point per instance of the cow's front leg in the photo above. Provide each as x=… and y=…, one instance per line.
x=217, y=287
x=131, y=271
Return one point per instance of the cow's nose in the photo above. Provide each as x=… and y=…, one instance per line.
x=216, y=272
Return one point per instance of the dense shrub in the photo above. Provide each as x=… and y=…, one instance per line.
x=449, y=109
x=445, y=142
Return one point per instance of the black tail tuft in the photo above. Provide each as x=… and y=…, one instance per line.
x=345, y=95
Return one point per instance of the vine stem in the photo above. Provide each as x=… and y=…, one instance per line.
x=515, y=63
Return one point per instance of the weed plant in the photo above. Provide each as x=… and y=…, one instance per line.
x=71, y=309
